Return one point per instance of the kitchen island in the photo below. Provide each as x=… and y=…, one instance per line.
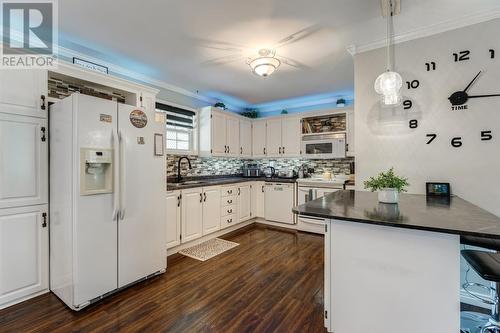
x=395, y=268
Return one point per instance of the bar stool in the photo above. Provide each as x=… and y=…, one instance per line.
x=487, y=266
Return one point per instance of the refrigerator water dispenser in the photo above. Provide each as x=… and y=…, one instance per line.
x=96, y=171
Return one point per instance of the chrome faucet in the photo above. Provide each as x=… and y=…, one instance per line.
x=179, y=177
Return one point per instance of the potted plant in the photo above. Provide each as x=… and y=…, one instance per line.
x=388, y=185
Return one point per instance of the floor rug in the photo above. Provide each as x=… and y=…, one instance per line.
x=208, y=249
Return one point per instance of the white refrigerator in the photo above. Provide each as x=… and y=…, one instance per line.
x=107, y=188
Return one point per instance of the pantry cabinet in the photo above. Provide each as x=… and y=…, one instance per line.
x=24, y=253
x=245, y=138
x=244, y=202
x=23, y=161
x=211, y=209
x=24, y=92
x=173, y=218
x=192, y=214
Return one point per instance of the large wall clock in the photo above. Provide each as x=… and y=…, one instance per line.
x=464, y=96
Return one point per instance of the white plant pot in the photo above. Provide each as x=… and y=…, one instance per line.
x=388, y=195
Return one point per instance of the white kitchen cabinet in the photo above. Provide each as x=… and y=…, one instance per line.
x=245, y=138
x=192, y=214
x=173, y=218
x=258, y=199
x=24, y=252
x=24, y=92
x=244, y=202
x=211, y=209
x=259, y=138
x=23, y=161
x=283, y=137
x=219, y=145
x=233, y=136
x=273, y=138
x=290, y=137
x=219, y=133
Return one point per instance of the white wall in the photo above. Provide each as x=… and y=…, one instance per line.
x=384, y=139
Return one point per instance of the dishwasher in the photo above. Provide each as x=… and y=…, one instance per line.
x=279, y=200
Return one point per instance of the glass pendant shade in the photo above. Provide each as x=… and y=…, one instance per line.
x=264, y=66
x=388, y=85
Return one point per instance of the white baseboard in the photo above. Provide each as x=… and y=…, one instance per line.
x=22, y=299
x=180, y=247
x=276, y=224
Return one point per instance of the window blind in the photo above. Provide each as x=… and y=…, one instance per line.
x=176, y=116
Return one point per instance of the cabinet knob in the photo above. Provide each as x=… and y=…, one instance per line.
x=44, y=220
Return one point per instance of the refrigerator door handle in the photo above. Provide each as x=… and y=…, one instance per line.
x=121, y=165
x=116, y=175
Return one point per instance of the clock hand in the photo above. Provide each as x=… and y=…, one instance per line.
x=479, y=96
x=471, y=82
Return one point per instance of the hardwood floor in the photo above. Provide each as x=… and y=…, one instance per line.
x=272, y=282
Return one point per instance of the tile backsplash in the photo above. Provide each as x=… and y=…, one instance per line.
x=203, y=166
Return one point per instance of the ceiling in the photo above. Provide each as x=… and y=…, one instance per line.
x=203, y=45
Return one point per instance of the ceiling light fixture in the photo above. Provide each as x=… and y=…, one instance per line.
x=389, y=83
x=266, y=64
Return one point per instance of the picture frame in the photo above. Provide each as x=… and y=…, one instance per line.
x=159, y=149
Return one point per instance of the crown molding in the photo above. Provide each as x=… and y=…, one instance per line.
x=430, y=30
x=69, y=53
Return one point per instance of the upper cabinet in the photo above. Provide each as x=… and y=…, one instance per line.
x=24, y=92
x=245, y=138
x=219, y=133
x=282, y=137
x=259, y=133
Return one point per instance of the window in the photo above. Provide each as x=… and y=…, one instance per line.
x=181, y=128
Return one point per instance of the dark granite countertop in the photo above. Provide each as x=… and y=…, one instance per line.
x=414, y=211
x=203, y=181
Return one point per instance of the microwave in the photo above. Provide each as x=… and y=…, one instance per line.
x=324, y=146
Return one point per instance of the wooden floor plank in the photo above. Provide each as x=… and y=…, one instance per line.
x=271, y=282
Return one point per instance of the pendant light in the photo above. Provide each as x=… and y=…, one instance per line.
x=388, y=84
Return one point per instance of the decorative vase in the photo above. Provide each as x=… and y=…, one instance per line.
x=388, y=195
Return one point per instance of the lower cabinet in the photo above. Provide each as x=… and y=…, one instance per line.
x=244, y=202
x=192, y=214
x=211, y=209
x=258, y=199
x=173, y=218
x=24, y=252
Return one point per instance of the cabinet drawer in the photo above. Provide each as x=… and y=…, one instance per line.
x=228, y=201
x=228, y=221
x=311, y=224
x=228, y=210
x=229, y=191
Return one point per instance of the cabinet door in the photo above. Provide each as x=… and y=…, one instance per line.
x=192, y=203
x=259, y=139
x=23, y=161
x=173, y=219
x=21, y=92
x=218, y=131
x=233, y=136
x=258, y=199
x=273, y=138
x=290, y=137
x=245, y=138
x=211, y=209
x=24, y=251
x=244, y=202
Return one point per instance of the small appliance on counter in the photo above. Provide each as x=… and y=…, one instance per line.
x=269, y=172
x=287, y=174
x=252, y=170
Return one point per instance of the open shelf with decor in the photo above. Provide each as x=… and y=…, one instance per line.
x=325, y=124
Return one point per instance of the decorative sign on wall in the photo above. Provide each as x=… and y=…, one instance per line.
x=138, y=118
x=90, y=65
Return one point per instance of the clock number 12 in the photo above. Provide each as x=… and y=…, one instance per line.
x=461, y=56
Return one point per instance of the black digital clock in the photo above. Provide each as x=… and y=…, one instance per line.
x=438, y=190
